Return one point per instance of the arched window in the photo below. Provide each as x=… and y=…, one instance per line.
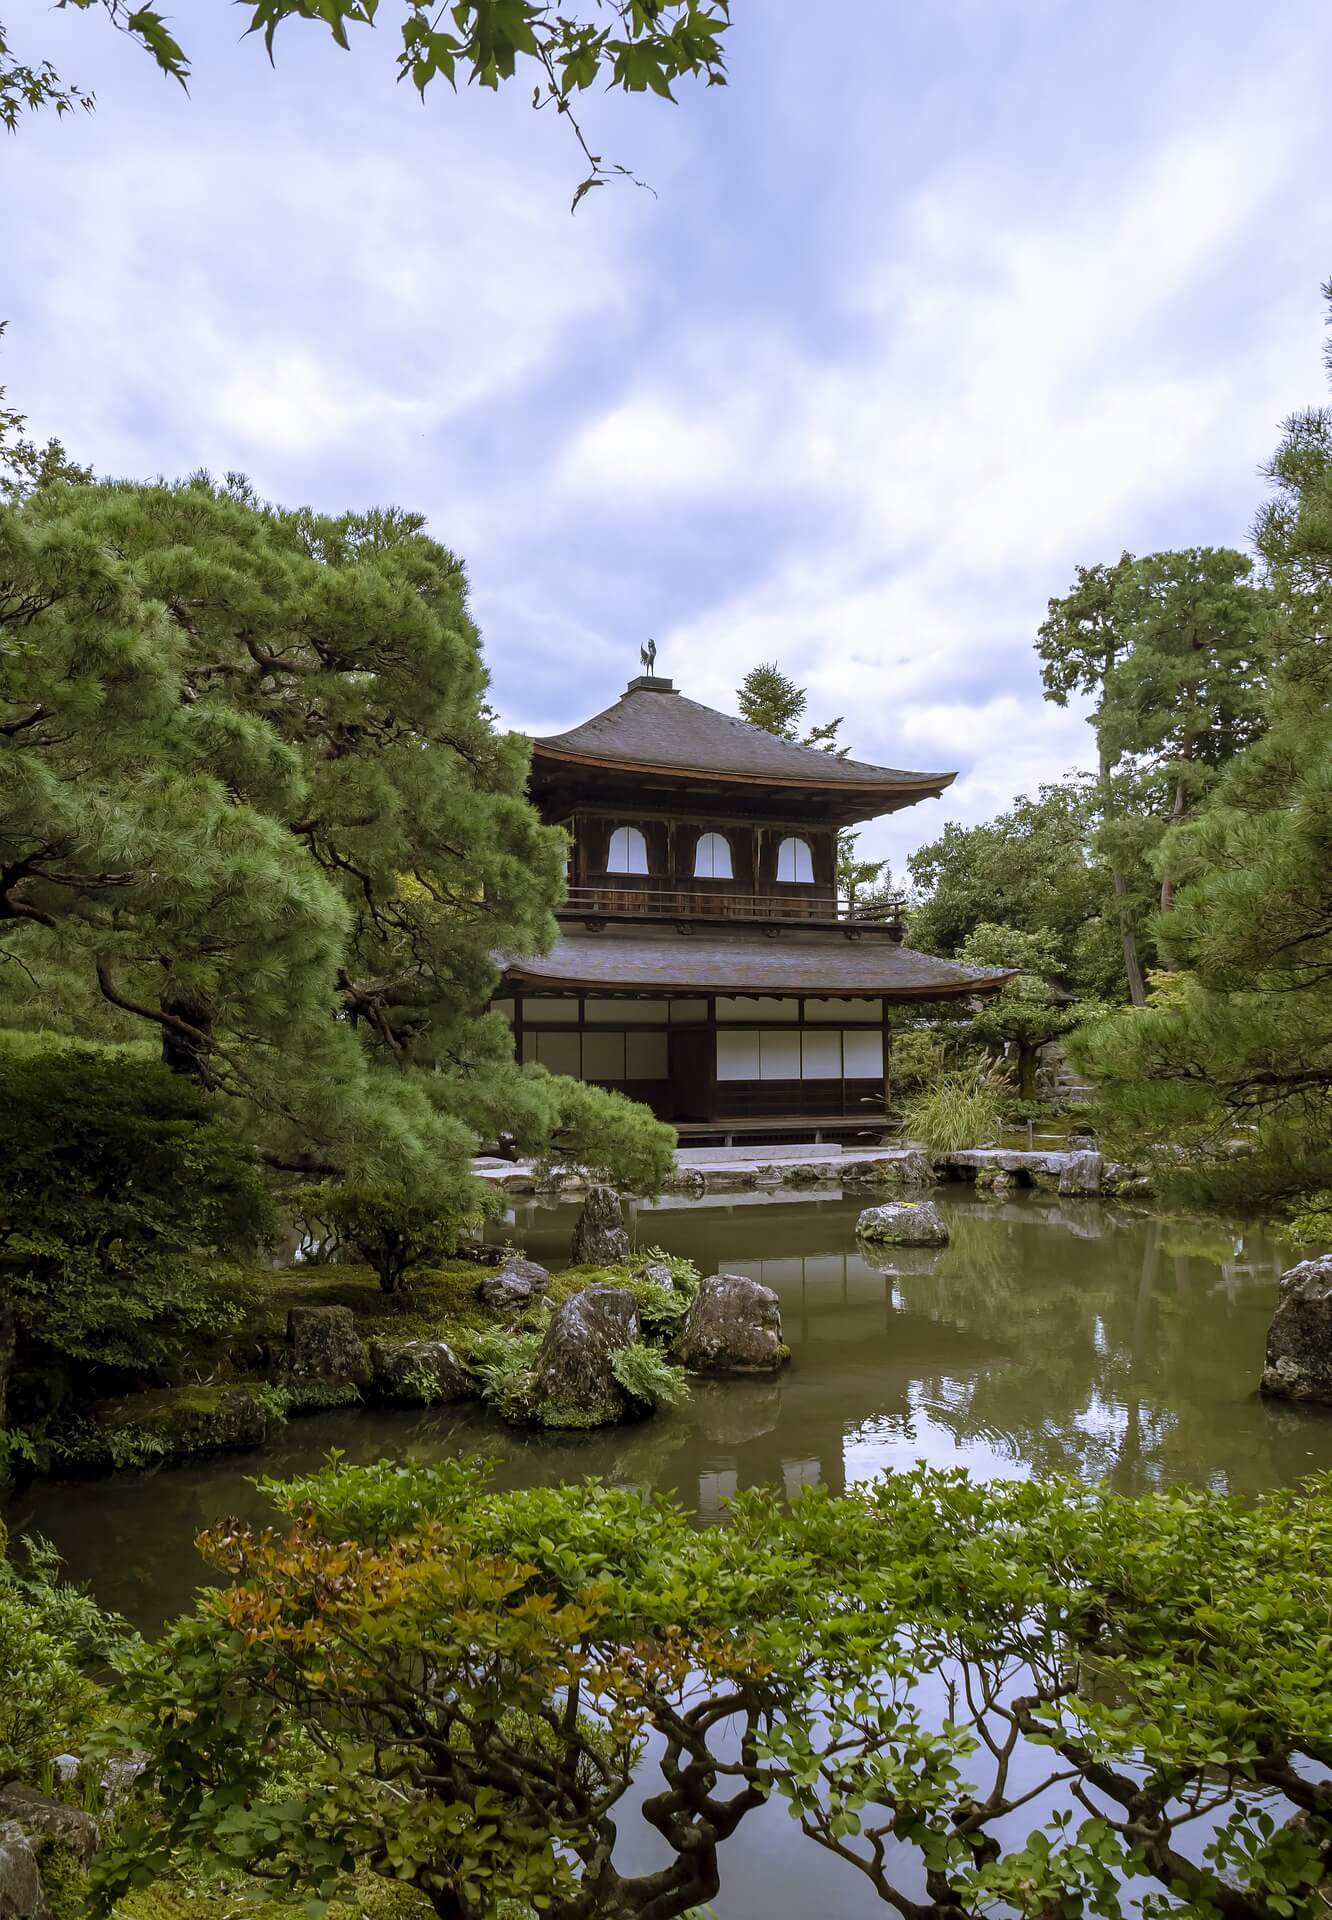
x=794, y=862
x=628, y=851
x=712, y=857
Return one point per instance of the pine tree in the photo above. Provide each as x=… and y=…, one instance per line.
x=252, y=800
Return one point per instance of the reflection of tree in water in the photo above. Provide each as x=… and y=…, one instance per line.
x=1138, y=1383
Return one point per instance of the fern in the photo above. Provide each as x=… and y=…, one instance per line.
x=498, y=1357
x=647, y=1377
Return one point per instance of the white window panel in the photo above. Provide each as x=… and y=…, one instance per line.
x=712, y=857
x=645, y=1056
x=560, y=1052
x=546, y=1010
x=863, y=1055
x=795, y=863
x=779, y=1055
x=603, y=1056
x=688, y=1013
x=766, y=1010
x=628, y=851
x=821, y=1056
x=841, y=1013
x=737, y=1056
x=529, y=1047
x=504, y=1008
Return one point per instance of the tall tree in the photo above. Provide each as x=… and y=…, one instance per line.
x=1242, y=1052
x=1080, y=643
x=1030, y=869
x=1172, y=647
x=252, y=797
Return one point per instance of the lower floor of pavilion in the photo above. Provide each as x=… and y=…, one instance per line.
x=728, y=1036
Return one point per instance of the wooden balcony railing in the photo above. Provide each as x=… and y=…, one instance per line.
x=627, y=901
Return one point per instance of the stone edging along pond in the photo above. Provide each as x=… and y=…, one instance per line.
x=1085, y=1174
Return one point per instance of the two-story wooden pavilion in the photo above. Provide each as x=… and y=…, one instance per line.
x=705, y=965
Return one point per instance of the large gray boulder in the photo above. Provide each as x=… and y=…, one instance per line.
x=49, y=1822
x=417, y=1373
x=599, y=1238
x=22, y=1895
x=1299, y=1340
x=1080, y=1173
x=323, y=1344
x=733, y=1326
x=904, y=1223
x=573, y=1383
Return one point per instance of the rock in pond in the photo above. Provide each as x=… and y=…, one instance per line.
x=733, y=1326
x=417, y=1373
x=518, y=1284
x=22, y=1895
x=323, y=1344
x=904, y=1223
x=599, y=1238
x=573, y=1382
x=1299, y=1340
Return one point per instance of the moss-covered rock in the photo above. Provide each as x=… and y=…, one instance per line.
x=181, y=1420
x=573, y=1383
x=904, y=1223
x=418, y=1373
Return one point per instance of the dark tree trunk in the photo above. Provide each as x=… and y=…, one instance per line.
x=1027, y=1071
x=183, y=1052
x=8, y=1342
x=1132, y=965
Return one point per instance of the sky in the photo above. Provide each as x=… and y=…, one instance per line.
x=907, y=325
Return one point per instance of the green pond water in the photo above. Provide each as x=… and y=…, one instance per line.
x=1051, y=1336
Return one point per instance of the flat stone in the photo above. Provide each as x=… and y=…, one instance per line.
x=573, y=1383
x=734, y=1326
x=418, y=1373
x=22, y=1895
x=909, y=1169
x=600, y=1239
x=323, y=1344
x=904, y=1223
x=1299, y=1340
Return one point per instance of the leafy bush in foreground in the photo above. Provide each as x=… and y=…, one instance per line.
x=1013, y=1698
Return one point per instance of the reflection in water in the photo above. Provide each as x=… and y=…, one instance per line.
x=1049, y=1337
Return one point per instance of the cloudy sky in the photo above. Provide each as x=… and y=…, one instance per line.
x=914, y=323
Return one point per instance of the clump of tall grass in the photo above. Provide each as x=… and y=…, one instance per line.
x=960, y=1110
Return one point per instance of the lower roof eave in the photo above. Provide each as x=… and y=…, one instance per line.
x=668, y=992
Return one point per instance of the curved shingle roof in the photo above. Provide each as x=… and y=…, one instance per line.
x=652, y=728
x=726, y=964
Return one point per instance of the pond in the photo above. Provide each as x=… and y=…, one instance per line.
x=1051, y=1337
